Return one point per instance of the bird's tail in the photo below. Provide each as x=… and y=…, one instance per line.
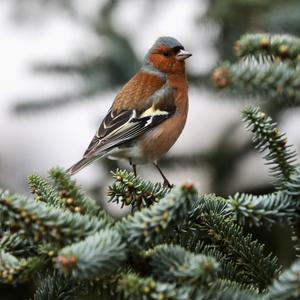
x=80, y=165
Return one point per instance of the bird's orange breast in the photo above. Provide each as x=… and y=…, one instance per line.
x=160, y=139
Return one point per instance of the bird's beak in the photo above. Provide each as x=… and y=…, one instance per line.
x=183, y=54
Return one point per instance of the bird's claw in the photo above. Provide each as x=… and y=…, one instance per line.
x=168, y=184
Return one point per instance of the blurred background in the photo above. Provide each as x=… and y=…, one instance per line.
x=63, y=61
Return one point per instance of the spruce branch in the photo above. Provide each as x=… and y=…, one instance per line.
x=190, y=242
x=283, y=47
x=172, y=263
x=149, y=225
x=275, y=208
x=73, y=197
x=131, y=190
x=268, y=137
x=292, y=187
x=227, y=289
x=287, y=286
x=274, y=81
x=98, y=255
x=106, y=287
x=243, y=249
x=57, y=286
x=17, y=245
x=212, y=218
x=44, y=191
x=228, y=269
x=135, y=287
x=43, y=223
x=232, y=294
x=14, y=270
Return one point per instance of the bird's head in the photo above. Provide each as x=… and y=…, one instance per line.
x=167, y=55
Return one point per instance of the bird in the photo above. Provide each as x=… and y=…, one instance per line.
x=148, y=114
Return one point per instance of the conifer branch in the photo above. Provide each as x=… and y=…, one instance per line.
x=275, y=208
x=131, y=190
x=57, y=286
x=14, y=270
x=227, y=289
x=107, y=286
x=274, y=81
x=212, y=218
x=268, y=137
x=173, y=263
x=17, y=245
x=287, y=286
x=73, y=197
x=135, y=287
x=228, y=269
x=150, y=224
x=98, y=255
x=283, y=47
x=233, y=294
x=292, y=187
x=44, y=191
x=43, y=223
x=193, y=241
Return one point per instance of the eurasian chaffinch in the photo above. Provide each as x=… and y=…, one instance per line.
x=148, y=114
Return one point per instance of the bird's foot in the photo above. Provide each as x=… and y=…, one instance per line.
x=168, y=184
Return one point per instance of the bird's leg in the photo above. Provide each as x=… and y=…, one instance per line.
x=133, y=167
x=166, y=181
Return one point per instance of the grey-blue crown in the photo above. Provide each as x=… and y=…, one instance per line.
x=168, y=41
x=163, y=40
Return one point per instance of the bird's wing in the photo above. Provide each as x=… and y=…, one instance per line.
x=119, y=127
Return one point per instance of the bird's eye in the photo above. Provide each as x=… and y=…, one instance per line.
x=166, y=54
x=177, y=48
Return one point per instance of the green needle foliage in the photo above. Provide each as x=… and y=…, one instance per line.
x=14, y=270
x=292, y=186
x=135, y=287
x=40, y=222
x=280, y=47
x=274, y=73
x=149, y=225
x=174, y=263
x=176, y=243
x=73, y=197
x=97, y=255
x=275, y=208
x=56, y=286
x=287, y=286
x=131, y=190
x=44, y=191
x=213, y=221
x=280, y=156
x=279, y=82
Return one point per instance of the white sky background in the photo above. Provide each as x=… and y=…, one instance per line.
x=36, y=142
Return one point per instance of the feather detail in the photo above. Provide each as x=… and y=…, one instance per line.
x=137, y=92
x=121, y=126
x=151, y=111
x=127, y=131
x=81, y=164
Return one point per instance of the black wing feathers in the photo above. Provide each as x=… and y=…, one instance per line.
x=111, y=122
x=120, y=127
